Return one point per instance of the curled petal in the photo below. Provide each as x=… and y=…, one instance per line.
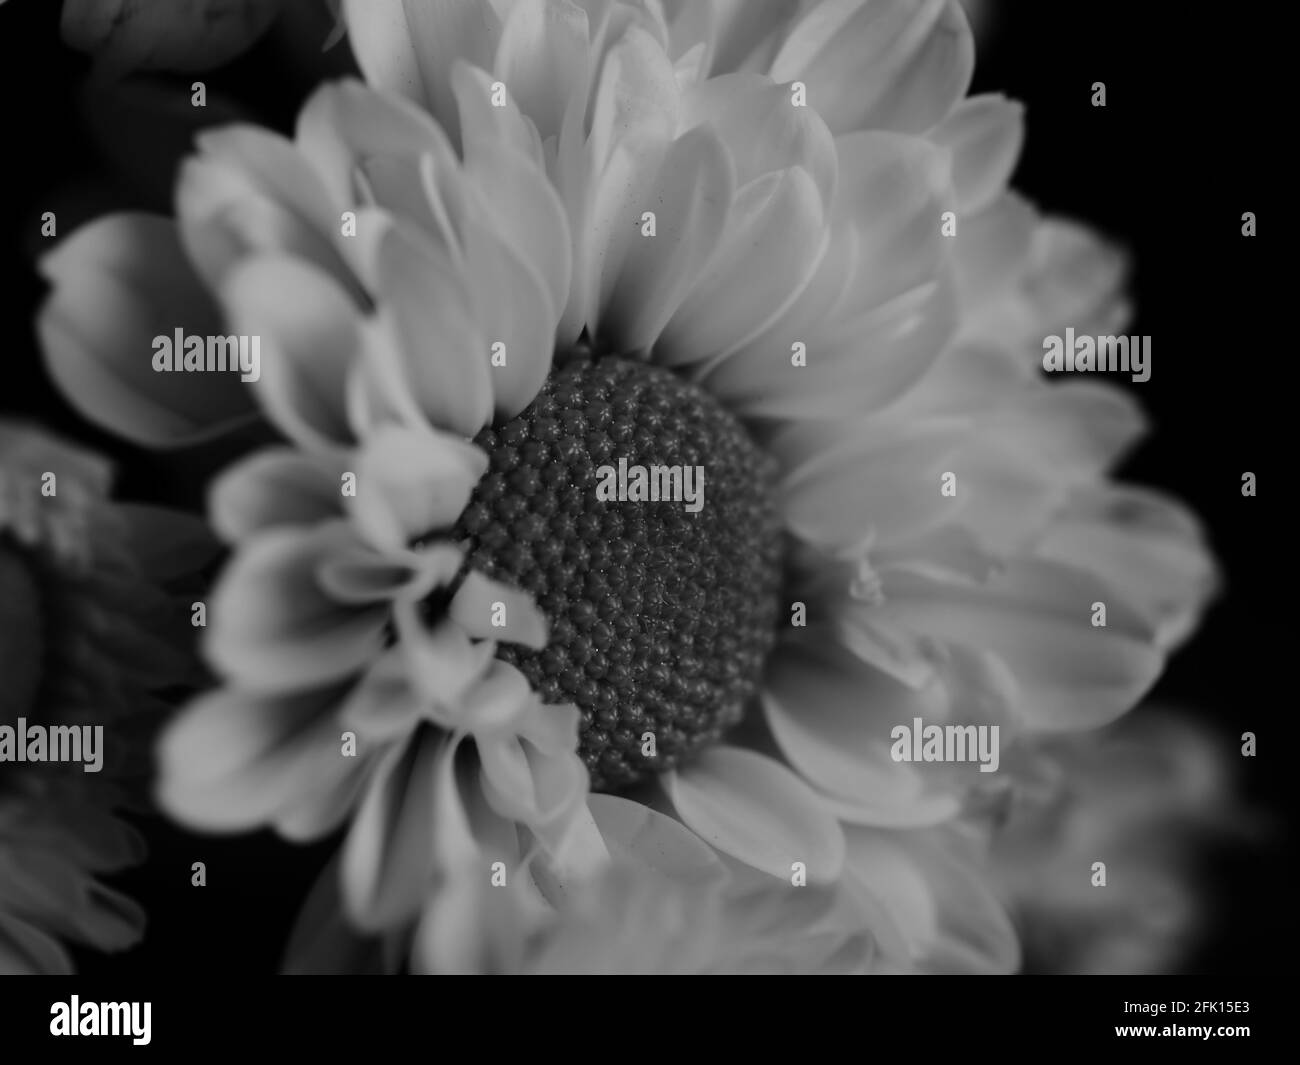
x=489, y=610
x=411, y=482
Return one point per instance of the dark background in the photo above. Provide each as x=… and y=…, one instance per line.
x=1191, y=137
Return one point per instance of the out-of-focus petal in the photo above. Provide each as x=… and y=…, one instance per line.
x=388, y=859
x=272, y=625
x=119, y=282
x=475, y=609
x=435, y=341
x=411, y=482
x=235, y=760
x=278, y=486
x=308, y=334
x=985, y=135
x=249, y=191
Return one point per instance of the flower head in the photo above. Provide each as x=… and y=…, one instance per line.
x=550, y=237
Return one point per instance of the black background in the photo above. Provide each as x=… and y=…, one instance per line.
x=1193, y=134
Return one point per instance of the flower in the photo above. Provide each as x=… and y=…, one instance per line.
x=87, y=640
x=547, y=236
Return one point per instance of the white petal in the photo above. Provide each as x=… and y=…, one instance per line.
x=442, y=662
x=1074, y=278
x=882, y=479
x=773, y=240
x=1147, y=547
x=525, y=210
x=992, y=252
x=425, y=299
x=411, y=482
x=345, y=125
x=483, y=122
x=272, y=626
x=542, y=58
x=480, y=601
x=359, y=576
x=250, y=191
x=908, y=62
x=536, y=777
x=409, y=48
x=308, y=334
x=1036, y=616
x=234, y=760
x=939, y=896
x=388, y=859
x=692, y=196
x=985, y=134
x=654, y=840
x=525, y=322
x=277, y=486
x=603, y=179
x=756, y=810
x=832, y=716
x=762, y=131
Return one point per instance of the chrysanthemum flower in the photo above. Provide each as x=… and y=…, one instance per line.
x=549, y=236
x=84, y=641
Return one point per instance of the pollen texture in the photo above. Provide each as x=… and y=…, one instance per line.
x=660, y=619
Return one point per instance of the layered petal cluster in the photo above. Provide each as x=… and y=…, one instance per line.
x=88, y=639
x=663, y=903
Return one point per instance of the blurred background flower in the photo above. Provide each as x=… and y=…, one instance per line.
x=1148, y=798
x=88, y=637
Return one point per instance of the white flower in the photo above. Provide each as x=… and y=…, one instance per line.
x=494, y=190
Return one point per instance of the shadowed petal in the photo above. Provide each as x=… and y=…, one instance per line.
x=234, y=760
x=277, y=486
x=388, y=857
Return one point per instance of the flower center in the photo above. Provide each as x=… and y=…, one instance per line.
x=640, y=515
x=22, y=624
